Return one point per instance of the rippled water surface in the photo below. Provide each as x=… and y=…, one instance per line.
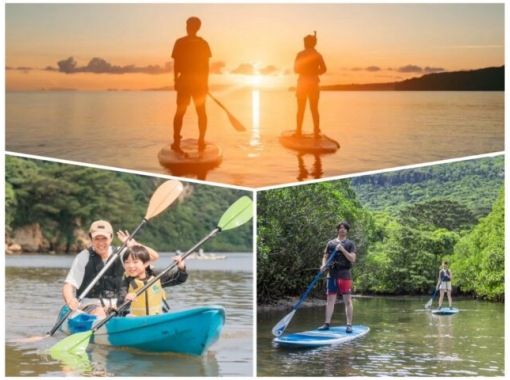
x=405, y=340
x=32, y=297
x=375, y=130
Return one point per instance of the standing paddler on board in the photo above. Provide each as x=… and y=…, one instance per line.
x=191, y=75
x=309, y=65
x=339, y=281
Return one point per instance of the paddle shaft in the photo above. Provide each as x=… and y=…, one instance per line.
x=219, y=103
x=108, y=264
x=312, y=284
x=235, y=123
x=151, y=282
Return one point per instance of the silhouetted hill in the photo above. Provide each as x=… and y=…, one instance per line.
x=487, y=79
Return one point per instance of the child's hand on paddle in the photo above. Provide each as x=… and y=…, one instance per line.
x=130, y=296
x=180, y=263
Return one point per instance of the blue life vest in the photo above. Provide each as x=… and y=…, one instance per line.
x=445, y=275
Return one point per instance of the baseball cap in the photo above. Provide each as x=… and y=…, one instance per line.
x=101, y=227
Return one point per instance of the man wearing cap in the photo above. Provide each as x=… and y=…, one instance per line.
x=89, y=262
x=309, y=64
x=339, y=279
x=191, y=75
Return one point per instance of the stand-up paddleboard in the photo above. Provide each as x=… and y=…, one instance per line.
x=317, y=338
x=445, y=311
x=308, y=143
x=190, y=159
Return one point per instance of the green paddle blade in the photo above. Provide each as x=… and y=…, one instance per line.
x=76, y=343
x=78, y=362
x=237, y=214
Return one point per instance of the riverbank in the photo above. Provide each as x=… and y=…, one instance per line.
x=287, y=303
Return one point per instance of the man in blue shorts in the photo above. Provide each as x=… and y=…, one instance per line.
x=339, y=279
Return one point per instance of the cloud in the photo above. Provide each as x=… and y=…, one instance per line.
x=373, y=68
x=217, y=67
x=410, y=69
x=101, y=66
x=268, y=70
x=24, y=69
x=244, y=68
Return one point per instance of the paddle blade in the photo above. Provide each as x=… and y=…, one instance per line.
x=163, y=197
x=77, y=361
x=237, y=214
x=429, y=304
x=236, y=123
x=280, y=327
x=76, y=343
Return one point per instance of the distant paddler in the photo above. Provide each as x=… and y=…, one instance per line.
x=309, y=64
x=444, y=284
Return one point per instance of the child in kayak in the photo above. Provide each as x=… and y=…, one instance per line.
x=138, y=273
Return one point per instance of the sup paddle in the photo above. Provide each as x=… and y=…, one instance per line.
x=235, y=123
x=237, y=214
x=163, y=197
x=429, y=303
x=280, y=327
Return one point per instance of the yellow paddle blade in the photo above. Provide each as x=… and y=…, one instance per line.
x=76, y=343
x=163, y=197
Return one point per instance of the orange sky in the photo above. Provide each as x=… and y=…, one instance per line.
x=361, y=43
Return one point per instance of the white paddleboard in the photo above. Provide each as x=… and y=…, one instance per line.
x=191, y=157
x=317, y=338
x=308, y=143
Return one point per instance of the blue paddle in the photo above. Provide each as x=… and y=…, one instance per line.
x=429, y=303
x=280, y=327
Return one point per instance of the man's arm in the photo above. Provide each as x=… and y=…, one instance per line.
x=68, y=292
x=351, y=256
x=176, y=68
x=324, y=259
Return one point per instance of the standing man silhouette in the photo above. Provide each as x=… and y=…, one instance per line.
x=191, y=75
x=309, y=64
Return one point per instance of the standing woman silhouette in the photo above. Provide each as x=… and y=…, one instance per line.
x=309, y=65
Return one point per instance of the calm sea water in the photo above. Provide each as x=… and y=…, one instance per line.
x=404, y=340
x=375, y=130
x=32, y=300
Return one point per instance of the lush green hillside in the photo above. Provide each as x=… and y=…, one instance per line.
x=413, y=220
x=472, y=183
x=479, y=257
x=62, y=198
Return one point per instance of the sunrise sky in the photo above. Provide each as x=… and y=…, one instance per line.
x=362, y=43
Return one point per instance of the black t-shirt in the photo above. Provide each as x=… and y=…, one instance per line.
x=191, y=59
x=341, y=267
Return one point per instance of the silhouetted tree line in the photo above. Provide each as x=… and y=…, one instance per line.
x=486, y=79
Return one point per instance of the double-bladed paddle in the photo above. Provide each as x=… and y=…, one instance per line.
x=235, y=123
x=280, y=327
x=237, y=214
x=163, y=197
